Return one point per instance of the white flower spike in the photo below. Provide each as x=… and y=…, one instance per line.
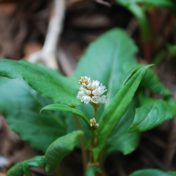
x=91, y=91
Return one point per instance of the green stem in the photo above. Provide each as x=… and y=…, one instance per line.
x=94, y=142
x=83, y=148
x=94, y=139
x=93, y=145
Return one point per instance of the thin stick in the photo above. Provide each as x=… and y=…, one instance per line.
x=59, y=172
x=47, y=54
x=171, y=147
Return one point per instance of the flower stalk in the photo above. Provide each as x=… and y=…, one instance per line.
x=92, y=91
x=82, y=144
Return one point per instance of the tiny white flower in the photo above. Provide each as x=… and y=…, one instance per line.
x=91, y=91
x=93, y=123
x=95, y=84
x=86, y=99
x=95, y=99
x=104, y=99
x=99, y=90
x=84, y=80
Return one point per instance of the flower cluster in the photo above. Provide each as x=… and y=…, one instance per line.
x=93, y=123
x=91, y=91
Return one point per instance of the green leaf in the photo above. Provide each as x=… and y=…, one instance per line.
x=66, y=108
x=92, y=171
x=159, y=3
x=171, y=50
x=151, y=81
x=155, y=3
x=152, y=172
x=126, y=143
x=152, y=114
x=44, y=80
x=122, y=140
x=109, y=59
x=24, y=167
x=11, y=99
x=21, y=106
x=117, y=108
x=39, y=130
x=61, y=148
x=139, y=12
x=140, y=16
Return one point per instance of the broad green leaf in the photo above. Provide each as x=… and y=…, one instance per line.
x=21, y=107
x=39, y=130
x=12, y=92
x=152, y=172
x=122, y=140
x=152, y=114
x=42, y=79
x=172, y=105
x=22, y=168
x=155, y=3
x=61, y=148
x=109, y=59
x=66, y=108
x=126, y=143
x=151, y=81
x=118, y=107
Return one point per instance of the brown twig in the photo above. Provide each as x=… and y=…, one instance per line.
x=153, y=159
x=103, y=2
x=171, y=147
